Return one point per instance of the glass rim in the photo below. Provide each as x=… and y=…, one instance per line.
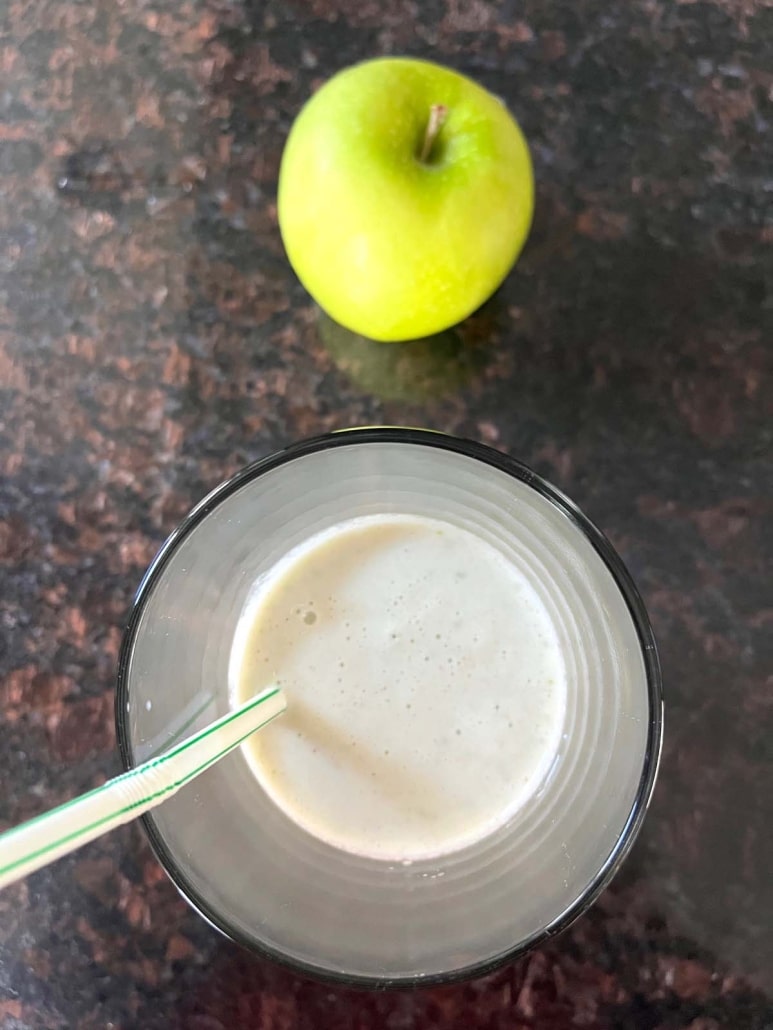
x=625, y=584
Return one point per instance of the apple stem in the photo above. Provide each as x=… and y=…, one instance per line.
x=437, y=115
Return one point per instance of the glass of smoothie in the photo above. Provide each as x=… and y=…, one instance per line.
x=474, y=710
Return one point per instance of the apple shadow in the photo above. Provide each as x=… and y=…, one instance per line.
x=413, y=371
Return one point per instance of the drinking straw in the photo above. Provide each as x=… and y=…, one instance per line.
x=65, y=828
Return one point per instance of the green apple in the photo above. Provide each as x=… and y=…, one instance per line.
x=405, y=195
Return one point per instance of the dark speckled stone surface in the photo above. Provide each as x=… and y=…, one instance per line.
x=153, y=339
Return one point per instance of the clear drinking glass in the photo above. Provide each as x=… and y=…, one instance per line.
x=264, y=881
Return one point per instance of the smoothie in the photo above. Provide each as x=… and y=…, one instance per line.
x=425, y=683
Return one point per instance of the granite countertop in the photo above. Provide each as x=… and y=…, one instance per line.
x=153, y=339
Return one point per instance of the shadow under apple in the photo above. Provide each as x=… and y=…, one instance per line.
x=411, y=371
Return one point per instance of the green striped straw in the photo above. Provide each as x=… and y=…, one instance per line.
x=53, y=834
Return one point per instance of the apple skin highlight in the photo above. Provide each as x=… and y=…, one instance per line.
x=394, y=236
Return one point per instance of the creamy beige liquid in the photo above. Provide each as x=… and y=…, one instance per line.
x=425, y=686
